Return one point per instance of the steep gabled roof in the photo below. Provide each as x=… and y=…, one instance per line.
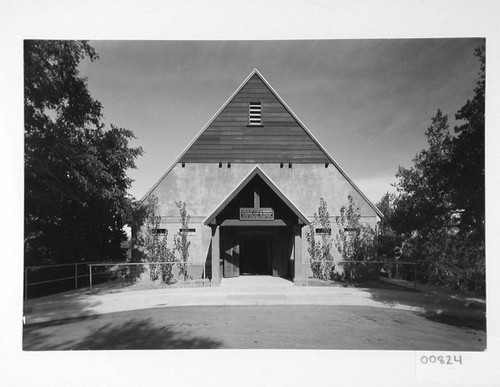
x=274, y=136
x=322, y=155
x=256, y=172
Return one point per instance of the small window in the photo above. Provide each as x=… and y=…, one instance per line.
x=351, y=229
x=190, y=231
x=159, y=231
x=327, y=231
x=254, y=113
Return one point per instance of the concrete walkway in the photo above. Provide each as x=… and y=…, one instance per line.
x=250, y=290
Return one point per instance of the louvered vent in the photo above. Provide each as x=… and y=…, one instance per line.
x=255, y=113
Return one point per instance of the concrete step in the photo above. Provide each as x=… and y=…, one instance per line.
x=255, y=281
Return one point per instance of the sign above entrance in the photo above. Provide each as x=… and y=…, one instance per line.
x=256, y=214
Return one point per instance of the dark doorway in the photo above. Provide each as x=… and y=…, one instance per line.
x=256, y=251
x=255, y=257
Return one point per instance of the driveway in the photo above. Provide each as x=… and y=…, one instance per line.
x=260, y=327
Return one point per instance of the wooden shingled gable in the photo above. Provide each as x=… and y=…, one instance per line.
x=229, y=137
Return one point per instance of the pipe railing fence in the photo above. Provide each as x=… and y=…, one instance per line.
x=176, y=271
x=66, y=276
x=417, y=272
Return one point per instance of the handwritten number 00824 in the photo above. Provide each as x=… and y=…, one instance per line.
x=441, y=359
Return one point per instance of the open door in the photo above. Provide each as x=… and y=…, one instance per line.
x=256, y=256
x=231, y=252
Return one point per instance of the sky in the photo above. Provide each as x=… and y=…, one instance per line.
x=367, y=101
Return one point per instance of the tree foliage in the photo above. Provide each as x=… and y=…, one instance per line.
x=439, y=212
x=468, y=158
x=447, y=179
x=424, y=201
x=76, y=200
x=388, y=240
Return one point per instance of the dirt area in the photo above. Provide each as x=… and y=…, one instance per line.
x=260, y=327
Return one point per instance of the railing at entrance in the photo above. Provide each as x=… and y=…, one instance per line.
x=167, y=273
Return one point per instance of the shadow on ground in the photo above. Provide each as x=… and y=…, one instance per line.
x=442, y=308
x=105, y=335
x=78, y=302
x=456, y=321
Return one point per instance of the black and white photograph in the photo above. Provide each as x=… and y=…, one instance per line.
x=234, y=197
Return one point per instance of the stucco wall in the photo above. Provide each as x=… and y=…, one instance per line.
x=204, y=186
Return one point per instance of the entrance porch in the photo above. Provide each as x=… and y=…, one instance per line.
x=256, y=231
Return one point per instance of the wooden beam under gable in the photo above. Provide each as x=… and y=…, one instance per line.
x=256, y=171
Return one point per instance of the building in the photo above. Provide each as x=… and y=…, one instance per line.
x=251, y=180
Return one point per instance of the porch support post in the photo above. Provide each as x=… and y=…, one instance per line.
x=215, y=255
x=299, y=269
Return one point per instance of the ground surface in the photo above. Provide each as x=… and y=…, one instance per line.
x=258, y=327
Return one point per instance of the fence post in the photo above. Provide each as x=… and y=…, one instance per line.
x=76, y=276
x=415, y=273
x=25, y=284
x=90, y=276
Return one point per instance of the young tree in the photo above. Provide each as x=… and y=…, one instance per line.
x=181, y=241
x=76, y=202
x=320, y=251
x=155, y=244
x=354, y=241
